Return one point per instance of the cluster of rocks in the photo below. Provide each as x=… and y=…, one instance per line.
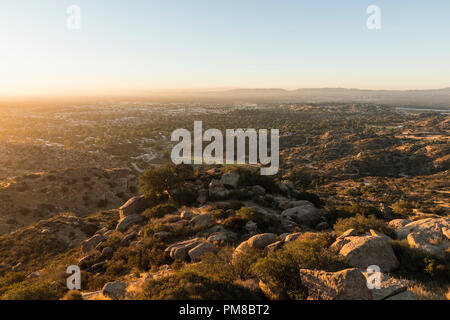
x=352, y=284
x=431, y=235
x=359, y=250
x=192, y=249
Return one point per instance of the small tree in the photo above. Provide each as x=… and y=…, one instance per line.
x=155, y=181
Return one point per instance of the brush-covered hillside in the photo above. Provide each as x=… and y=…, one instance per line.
x=227, y=233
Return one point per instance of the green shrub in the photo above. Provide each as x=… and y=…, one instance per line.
x=190, y=286
x=362, y=224
x=185, y=196
x=219, y=214
x=235, y=224
x=416, y=264
x=265, y=223
x=404, y=207
x=33, y=291
x=150, y=253
x=72, y=295
x=311, y=197
x=11, y=278
x=155, y=181
x=160, y=210
x=249, y=177
x=243, y=262
x=280, y=268
x=215, y=266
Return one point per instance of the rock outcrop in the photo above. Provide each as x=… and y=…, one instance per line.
x=429, y=235
x=305, y=214
x=364, y=251
x=349, y=284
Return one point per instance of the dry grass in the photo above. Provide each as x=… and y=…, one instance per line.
x=429, y=290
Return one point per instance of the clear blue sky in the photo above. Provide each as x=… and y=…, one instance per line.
x=145, y=44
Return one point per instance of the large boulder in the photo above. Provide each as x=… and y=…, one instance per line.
x=429, y=235
x=349, y=284
x=221, y=236
x=202, y=221
x=274, y=246
x=432, y=226
x=260, y=241
x=305, y=214
x=398, y=223
x=204, y=247
x=181, y=249
x=125, y=223
x=115, y=290
x=90, y=244
x=272, y=292
x=230, y=179
x=240, y=251
x=134, y=205
x=293, y=236
x=365, y=251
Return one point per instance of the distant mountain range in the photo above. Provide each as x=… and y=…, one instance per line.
x=417, y=98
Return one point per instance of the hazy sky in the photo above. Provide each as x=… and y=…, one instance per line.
x=144, y=44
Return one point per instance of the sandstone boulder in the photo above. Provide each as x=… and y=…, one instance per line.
x=134, y=205
x=349, y=284
x=398, y=223
x=305, y=214
x=429, y=235
x=274, y=246
x=292, y=236
x=128, y=221
x=180, y=250
x=202, y=221
x=365, y=251
x=107, y=252
x=115, y=290
x=251, y=227
x=204, y=247
x=260, y=241
x=90, y=244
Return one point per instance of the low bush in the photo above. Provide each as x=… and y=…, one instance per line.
x=185, y=196
x=219, y=214
x=190, y=286
x=280, y=268
x=311, y=197
x=160, y=210
x=362, y=224
x=416, y=264
x=72, y=295
x=33, y=291
x=248, y=177
x=235, y=224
